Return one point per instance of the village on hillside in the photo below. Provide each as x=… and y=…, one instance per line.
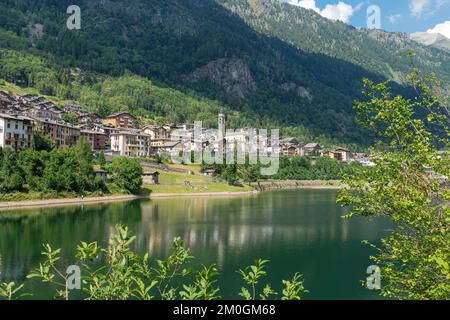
x=119, y=134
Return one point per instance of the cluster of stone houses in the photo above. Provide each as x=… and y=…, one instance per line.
x=22, y=116
x=120, y=133
x=291, y=147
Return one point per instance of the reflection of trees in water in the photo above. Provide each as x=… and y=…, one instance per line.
x=230, y=226
x=218, y=229
x=24, y=232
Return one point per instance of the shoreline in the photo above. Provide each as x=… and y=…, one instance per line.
x=46, y=203
x=312, y=187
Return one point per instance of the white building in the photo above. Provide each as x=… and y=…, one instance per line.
x=158, y=134
x=16, y=132
x=131, y=143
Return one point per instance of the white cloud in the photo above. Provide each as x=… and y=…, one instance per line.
x=440, y=3
x=340, y=11
x=360, y=5
x=307, y=4
x=393, y=19
x=442, y=28
x=418, y=6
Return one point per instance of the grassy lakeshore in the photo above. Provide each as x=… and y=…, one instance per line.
x=171, y=184
x=200, y=188
x=180, y=183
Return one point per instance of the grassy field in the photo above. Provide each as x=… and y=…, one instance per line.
x=189, y=167
x=173, y=182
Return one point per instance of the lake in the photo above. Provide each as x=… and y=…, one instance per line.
x=298, y=231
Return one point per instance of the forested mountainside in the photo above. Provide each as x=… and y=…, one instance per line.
x=384, y=53
x=250, y=57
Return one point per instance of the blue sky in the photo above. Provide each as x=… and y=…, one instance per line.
x=396, y=15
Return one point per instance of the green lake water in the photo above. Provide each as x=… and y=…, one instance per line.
x=298, y=231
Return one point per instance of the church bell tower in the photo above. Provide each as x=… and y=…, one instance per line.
x=222, y=126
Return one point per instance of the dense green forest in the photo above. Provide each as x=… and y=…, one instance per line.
x=51, y=172
x=296, y=168
x=184, y=60
x=57, y=170
x=383, y=53
x=144, y=98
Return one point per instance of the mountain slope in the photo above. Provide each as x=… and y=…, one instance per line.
x=431, y=39
x=377, y=51
x=248, y=55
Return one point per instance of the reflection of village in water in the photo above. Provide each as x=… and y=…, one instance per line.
x=217, y=229
x=208, y=229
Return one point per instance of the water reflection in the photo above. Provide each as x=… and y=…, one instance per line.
x=298, y=230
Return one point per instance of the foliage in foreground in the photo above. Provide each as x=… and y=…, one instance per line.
x=118, y=273
x=408, y=186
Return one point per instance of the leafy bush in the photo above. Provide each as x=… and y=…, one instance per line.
x=126, y=173
x=123, y=275
x=60, y=170
x=296, y=168
x=43, y=143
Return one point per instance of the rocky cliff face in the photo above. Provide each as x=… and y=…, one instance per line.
x=233, y=75
x=299, y=90
x=273, y=62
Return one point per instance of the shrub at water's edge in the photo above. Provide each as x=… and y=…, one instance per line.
x=51, y=173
